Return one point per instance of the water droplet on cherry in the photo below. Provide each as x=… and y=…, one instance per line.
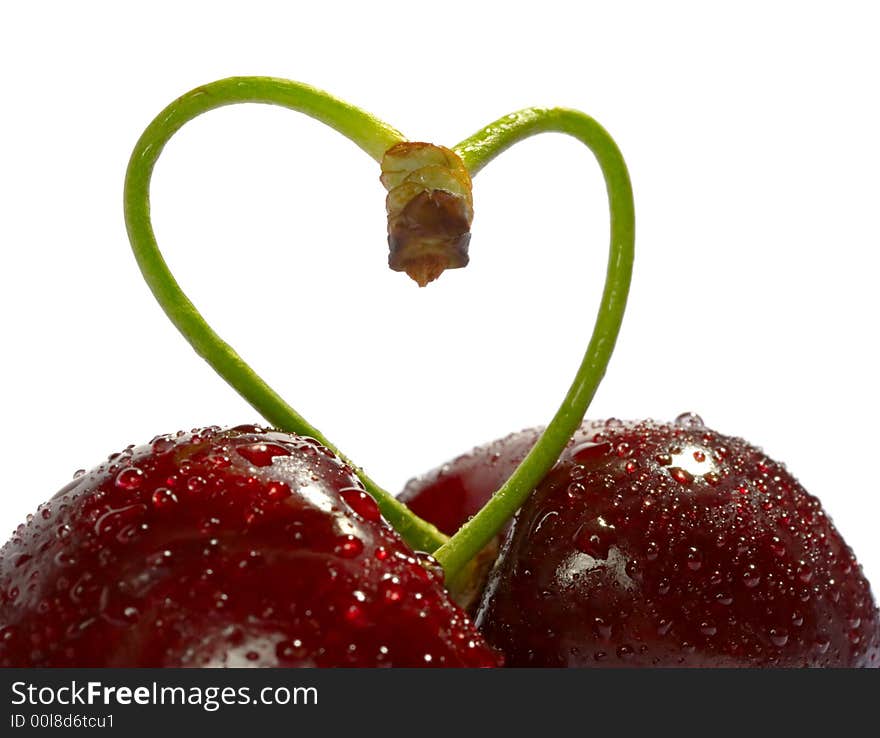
x=130, y=478
x=778, y=637
x=682, y=476
x=590, y=453
x=164, y=499
x=348, y=547
x=262, y=454
x=751, y=577
x=694, y=559
x=362, y=503
x=689, y=420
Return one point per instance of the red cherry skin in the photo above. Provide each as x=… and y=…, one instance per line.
x=223, y=548
x=450, y=495
x=669, y=545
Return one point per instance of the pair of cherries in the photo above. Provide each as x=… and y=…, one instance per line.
x=634, y=544
x=647, y=545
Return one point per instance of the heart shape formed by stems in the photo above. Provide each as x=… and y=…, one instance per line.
x=375, y=138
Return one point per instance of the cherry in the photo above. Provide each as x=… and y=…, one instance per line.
x=663, y=545
x=241, y=547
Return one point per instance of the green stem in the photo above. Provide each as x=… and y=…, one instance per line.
x=476, y=152
x=371, y=134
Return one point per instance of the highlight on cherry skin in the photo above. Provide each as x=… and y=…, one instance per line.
x=239, y=547
x=660, y=544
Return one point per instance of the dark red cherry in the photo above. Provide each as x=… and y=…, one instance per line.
x=670, y=545
x=223, y=548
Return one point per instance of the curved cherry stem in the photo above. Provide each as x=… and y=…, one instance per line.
x=375, y=137
x=371, y=134
x=476, y=152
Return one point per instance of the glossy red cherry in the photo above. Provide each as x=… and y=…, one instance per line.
x=223, y=548
x=667, y=545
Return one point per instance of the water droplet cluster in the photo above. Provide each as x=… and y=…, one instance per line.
x=241, y=547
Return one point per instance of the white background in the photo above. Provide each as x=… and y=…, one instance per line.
x=751, y=133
